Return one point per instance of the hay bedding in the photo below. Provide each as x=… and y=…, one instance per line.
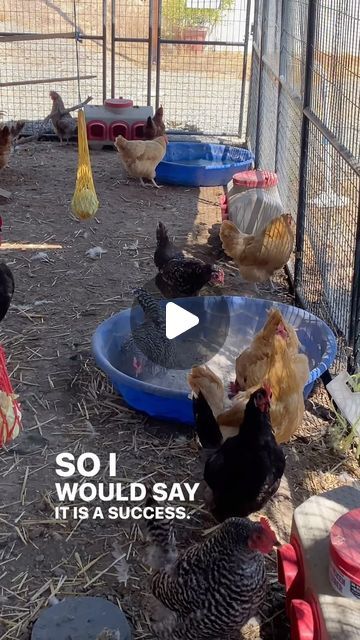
x=69, y=405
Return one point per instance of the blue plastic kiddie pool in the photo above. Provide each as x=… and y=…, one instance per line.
x=195, y=164
x=248, y=315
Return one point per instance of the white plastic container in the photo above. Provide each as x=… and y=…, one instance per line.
x=245, y=181
x=252, y=200
x=253, y=209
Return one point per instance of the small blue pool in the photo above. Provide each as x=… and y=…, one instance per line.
x=169, y=400
x=195, y=164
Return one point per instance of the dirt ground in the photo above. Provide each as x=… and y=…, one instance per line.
x=68, y=405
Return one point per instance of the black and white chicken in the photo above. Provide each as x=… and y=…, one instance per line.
x=148, y=346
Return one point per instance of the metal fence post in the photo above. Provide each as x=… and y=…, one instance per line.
x=245, y=59
x=158, y=54
x=264, y=18
x=104, y=35
x=113, y=34
x=282, y=73
x=304, y=147
x=354, y=329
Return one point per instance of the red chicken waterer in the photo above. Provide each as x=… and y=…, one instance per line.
x=224, y=207
x=320, y=567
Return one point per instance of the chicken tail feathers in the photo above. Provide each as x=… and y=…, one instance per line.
x=162, y=551
x=165, y=249
x=151, y=307
x=17, y=128
x=4, y=133
x=7, y=288
x=207, y=428
x=162, y=237
x=232, y=239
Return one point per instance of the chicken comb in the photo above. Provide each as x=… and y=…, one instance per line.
x=266, y=386
x=266, y=525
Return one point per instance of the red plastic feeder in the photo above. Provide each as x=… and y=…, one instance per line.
x=291, y=571
x=302, y=621
x=119, y=129
x=137, y=131
x=96, y=130
x=255, y=179
x=224, y=207
x=118, y=103
x=10, y=419
x=344, y=570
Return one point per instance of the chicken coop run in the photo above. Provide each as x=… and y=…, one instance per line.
x=282, y=74
x=303, y=122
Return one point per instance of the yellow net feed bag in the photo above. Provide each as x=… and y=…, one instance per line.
x=84, y=203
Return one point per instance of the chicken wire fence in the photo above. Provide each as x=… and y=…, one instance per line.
x=191, y=56
x=303, y=122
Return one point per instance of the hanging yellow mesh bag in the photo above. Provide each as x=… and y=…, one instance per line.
x=84, y=203
x=10, y=414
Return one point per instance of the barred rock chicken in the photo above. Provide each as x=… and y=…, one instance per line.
x=178, y=275
x=8, y=134
x=148, y=344
x=216, y=586
x=141, y=157
x=109, y=634
x=259, y=256
x=64, y=124
x=7, y=288
x=245, y=472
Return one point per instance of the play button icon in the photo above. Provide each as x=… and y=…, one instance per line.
x=175, y=334
x=178, y=320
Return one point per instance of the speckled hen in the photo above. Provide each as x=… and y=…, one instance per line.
x=179, y=276
x=148, y=345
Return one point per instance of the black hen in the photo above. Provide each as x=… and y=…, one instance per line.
x=148, y=345
x=165, y=249
x=207, y=428
x=246, y=470
x=7, y=288
x=149, y=129
x=178, y=276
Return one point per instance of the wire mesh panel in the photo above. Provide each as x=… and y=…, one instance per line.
x=312, y=82
x=45, y=46
x=330, y=237
x=291, y=69
x=252, y=118
x=269, y=85
x=253, y=102
x=202, y=67
x=131, y=51
x=336, y=83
